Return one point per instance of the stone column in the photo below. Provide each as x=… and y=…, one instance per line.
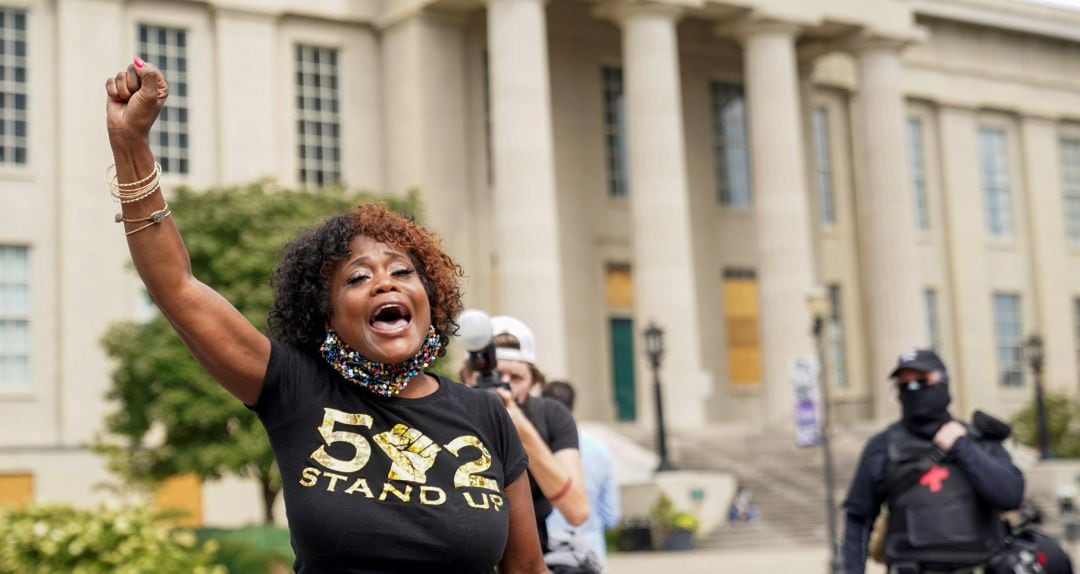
x=96, y=287
x=1049, y=259
x=892, y=276
x=526, y=214
x=424, y=98
x=974, y=378
x=664, y=284
x=248, y=149
x=784, y=252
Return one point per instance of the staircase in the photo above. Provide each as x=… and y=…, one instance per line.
x=787, y=482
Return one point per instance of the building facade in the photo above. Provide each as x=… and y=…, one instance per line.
x=594, y=166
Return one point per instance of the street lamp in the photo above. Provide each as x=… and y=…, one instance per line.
x=818, y=306
x=1033, y=351
x=654, y=346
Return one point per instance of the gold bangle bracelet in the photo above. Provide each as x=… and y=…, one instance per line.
x=126, y=193
x=110, y=176
x=157, y=218
x=133, y=191
x=143, y=194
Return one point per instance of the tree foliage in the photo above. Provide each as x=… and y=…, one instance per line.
x=1063, y=425
x=171, y=416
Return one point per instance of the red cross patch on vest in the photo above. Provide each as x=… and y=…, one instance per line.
x=934, y=477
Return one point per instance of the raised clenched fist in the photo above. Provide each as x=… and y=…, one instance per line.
x=135, y=98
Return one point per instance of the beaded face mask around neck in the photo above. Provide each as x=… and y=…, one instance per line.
x=378, y=378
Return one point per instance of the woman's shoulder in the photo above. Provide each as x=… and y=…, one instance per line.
x=475, y=402
x=288, y=359
x=290, y=351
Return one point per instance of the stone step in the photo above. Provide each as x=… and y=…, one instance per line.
x=787, y=483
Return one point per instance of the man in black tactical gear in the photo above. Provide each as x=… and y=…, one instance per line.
x=944, y=481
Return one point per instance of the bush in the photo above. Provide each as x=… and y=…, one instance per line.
x=252, y=549
x=665, y=517
x=59, y=538
x=1063, y=424
x=666, y=521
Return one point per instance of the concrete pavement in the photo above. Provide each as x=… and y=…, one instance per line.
x=759, y=561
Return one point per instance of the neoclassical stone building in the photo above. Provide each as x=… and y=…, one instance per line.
x=594, y=165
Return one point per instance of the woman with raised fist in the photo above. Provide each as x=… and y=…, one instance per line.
x=386, y=468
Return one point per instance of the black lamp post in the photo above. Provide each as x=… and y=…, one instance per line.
x=818, y=306
x=654, y=346
x=1033, y=351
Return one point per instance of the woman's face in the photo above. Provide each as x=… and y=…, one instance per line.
x=378, y=305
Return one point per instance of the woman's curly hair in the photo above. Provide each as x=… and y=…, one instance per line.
x=301, y=281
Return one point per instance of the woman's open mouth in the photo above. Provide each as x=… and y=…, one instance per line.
x=390, y=318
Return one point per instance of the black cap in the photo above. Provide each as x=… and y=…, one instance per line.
x=922, y=360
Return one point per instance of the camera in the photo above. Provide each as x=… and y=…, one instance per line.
x=475, y=330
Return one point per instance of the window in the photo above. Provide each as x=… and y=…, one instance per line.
x=1076, y=330
x=741, y=324
x=995, y=181
x=730, y=145
x=619, y=286
x=14, y=317
x=166, y=48
x=837, y=358
x=615, y=132
x=933, y=328
x=1007, y=333
x=487, y=120
x=16, y=489
x=319, y=117
x=1070, y=175
x=183, y=495
x=619, y=299
x=13, y=87
x=823, y=165
x=917, y=159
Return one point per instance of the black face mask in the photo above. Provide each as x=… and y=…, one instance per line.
x=926, y=410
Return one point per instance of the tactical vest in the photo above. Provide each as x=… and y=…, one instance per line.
x=935, y=516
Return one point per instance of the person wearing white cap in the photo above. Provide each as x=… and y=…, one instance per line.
x=546, y=428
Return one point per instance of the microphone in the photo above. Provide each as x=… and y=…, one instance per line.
x=476, y=333
x=475, y=330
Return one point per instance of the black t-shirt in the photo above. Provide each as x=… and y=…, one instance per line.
x=376, y=484
x=557, y=427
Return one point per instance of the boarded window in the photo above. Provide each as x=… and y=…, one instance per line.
x=741, y=323
x=181, y=494
x=16, y=489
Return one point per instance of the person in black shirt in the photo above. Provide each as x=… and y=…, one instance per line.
x=944, y=482
x=546, y=428
x=386, y=469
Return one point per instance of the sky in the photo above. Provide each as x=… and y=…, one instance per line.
x=1069, y=4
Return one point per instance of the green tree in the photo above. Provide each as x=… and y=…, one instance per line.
x=234, y=236
x=1062, y=422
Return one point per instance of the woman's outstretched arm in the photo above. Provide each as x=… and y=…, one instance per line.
x=231, y=350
